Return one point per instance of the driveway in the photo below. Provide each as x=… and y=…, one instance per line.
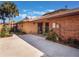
x=16, y=47
x=50, y=49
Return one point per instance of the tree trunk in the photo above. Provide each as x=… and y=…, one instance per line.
x=9, y=23
x=10, y=27
x=3, y=22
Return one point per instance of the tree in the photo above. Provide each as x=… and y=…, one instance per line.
x=8, y=10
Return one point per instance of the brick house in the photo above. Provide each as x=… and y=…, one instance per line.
x=65, y=22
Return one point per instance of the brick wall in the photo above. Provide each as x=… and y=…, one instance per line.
x=68, y=26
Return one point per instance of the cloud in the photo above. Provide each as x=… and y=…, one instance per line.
x=38, y=12
x=24, y=10
x=33, y=13
x=21, y=16
x=50, y=10
x=32, y=16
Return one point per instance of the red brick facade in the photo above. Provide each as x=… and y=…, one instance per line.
x=66, y=26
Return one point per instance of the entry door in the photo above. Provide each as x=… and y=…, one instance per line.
x=46, y=27
x=40, y=28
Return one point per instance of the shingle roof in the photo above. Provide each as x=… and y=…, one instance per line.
x=64, y=13
x=56, y=11
x=56, y=14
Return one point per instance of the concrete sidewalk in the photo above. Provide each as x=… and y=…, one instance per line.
x=51, y=49
x=16, y=47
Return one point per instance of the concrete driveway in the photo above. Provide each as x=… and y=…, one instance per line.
x=50, y=49
x=16, y=47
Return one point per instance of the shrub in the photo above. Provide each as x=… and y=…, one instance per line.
x=5, y=31
x=73, y=42
x=70, y=41
x=45, y=33
x=76, y=42
x=53, y=36
x=19, y=32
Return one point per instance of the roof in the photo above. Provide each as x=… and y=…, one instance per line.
x=28, y=20
x=64, y=13
x=57, y=13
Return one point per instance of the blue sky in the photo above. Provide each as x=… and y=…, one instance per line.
x=34, y=9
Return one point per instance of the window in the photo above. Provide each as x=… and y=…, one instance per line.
x=53, y=25
x=57, y=26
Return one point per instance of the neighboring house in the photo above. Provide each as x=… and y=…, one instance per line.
x=1, y=26
x=9, y=25
x=65, y=22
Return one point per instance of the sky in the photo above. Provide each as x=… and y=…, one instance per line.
x=32, y=9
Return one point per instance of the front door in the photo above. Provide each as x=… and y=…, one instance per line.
x=40, y=28
x=46, y=27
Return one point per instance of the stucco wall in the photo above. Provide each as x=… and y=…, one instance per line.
x=29, y=27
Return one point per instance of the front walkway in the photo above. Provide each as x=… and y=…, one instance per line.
x=16, y=47
x=50, y=48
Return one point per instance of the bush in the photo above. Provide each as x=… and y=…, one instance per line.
x=19, y=32
x=5, y=31
x=53, y=37
x=45, y=33
x=73, y=41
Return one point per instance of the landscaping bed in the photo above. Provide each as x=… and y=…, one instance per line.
x=72, y=42
x=19, y=32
